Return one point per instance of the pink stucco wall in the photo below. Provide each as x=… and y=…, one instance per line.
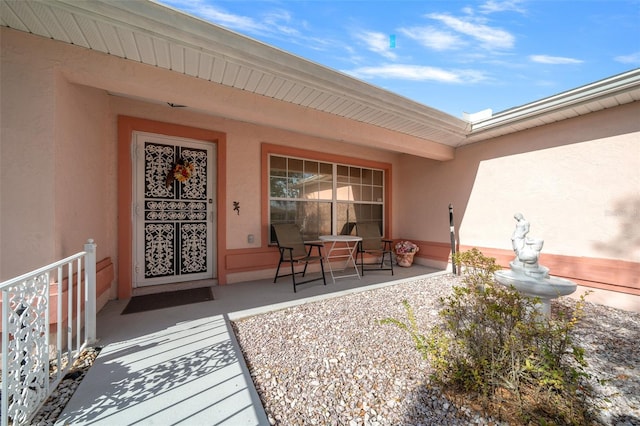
x=84, y=164
x=64, y=125
x=576, y=181
x=27, y=104
x=243, y=159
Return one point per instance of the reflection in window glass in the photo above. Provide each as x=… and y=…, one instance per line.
x=367, y=177
x=366, y=193
x=377, y=194
x=343, y=191
x=309, y=193
x=310, y=169
x=295, y=168
x=354, y=175
x=377, y=177
x=278, y=166
x=278, y=187
x=343, y=174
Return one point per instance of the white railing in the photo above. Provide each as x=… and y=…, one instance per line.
x=32, y=365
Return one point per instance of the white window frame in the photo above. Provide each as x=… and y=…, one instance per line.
x=334, y=200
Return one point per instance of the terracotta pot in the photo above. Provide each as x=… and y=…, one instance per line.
x=405, y=260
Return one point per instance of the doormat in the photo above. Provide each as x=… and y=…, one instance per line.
x=150, y=302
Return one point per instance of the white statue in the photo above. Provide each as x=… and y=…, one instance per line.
x=527, y=276
x=527, y=250
x=520, y=233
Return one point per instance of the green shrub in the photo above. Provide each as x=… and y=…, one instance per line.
x=495, y=349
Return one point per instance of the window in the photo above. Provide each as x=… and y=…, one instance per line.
x=324, y=198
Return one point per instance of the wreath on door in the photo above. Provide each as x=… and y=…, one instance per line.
x=181, y=171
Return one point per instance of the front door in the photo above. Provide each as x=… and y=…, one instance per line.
x=173, y=209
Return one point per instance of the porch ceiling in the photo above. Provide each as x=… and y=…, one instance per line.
x=156, y=35
x=153, y=34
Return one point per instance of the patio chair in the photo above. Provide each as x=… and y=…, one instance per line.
x=294, y=250
x=347, y=228
x=373, y=244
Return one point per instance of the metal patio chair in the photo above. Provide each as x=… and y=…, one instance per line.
x=373, y=244
x=294, y=250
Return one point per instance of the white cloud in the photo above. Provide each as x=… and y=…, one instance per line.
x=633, y=58
x=489, y=38
x=275, y=24
x=554, y=60
x=377, y=42
x=221, y=17
x=492, y=6
x=433, y=38
x=418, y=73
x=280, y=20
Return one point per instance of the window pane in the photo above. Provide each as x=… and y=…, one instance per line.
x=367, y=176
x=326, y=169
x=377, y=177
x=343, y=174
x=294, y=188
x=346, y=218
x=370, y=213
x=325, y=190
x=310, y=180
x=278, y=166
x=278, y=187
x=311, y=191
x=295, y=169
x=355, y=175
x=343, y=192
x=315, y=219
x=376, y=212
x=310, y=169
x=377, y=194
x=282, y=212
x=366, y=193
x=325, y=182
x=303, y=192
x=356, y=193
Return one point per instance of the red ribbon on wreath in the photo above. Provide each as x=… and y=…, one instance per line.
x=181, y=171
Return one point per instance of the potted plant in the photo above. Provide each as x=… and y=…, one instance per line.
x=405, y=250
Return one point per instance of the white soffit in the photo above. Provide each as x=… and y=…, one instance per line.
x=607, y=93
x=153, y=34
x=156, y=35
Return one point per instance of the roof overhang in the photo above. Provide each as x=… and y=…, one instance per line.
x=607, y=93
x=159, y=36
x=156, y=35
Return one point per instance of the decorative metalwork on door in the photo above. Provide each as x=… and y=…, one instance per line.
x=176, y=201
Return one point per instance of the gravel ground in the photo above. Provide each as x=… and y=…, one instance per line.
x=331, y=363
x=54, y=405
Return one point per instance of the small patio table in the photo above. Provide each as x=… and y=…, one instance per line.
x=343, y=248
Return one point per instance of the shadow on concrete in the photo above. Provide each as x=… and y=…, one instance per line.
x=167, y=378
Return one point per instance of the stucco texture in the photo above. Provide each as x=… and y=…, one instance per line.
x=577, y=182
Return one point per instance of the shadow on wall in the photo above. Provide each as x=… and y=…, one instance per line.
x=627, y=239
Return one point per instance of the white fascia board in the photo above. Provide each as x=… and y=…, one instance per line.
x=162, y=21
x=601, y=89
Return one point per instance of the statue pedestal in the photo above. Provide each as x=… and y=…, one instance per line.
x=546, y=289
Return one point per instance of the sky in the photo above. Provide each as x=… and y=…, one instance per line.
x=455, y=56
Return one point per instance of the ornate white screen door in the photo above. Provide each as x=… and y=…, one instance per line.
x=172, y=220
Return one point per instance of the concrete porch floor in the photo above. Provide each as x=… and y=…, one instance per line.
x=183, y=365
